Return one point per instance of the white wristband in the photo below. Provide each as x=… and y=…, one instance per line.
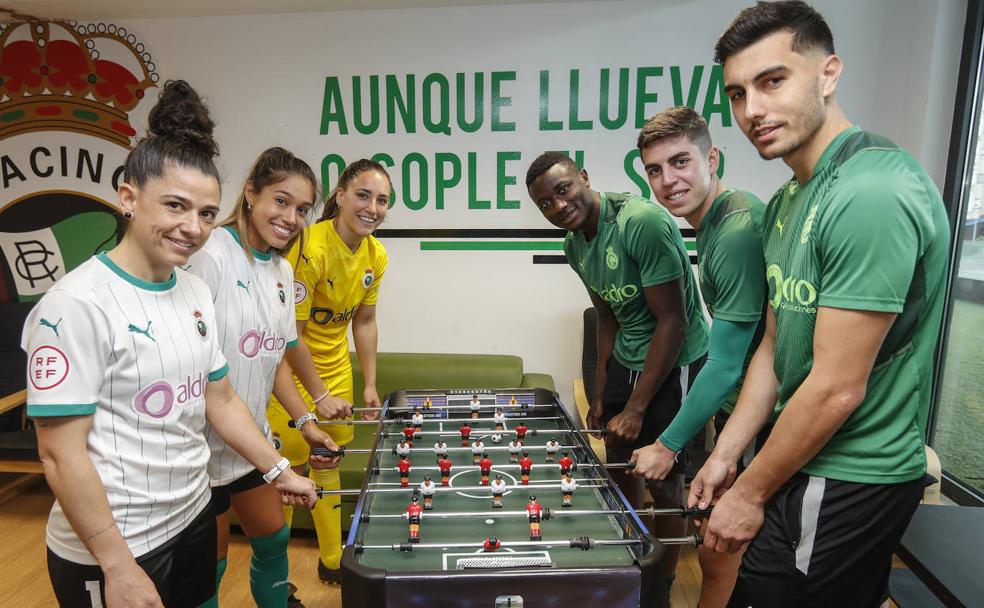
x=321, y=398
x=277, y=469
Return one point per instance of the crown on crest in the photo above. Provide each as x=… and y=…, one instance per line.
x=65, y=76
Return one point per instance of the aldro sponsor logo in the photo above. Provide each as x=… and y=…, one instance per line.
x=157, y=400
x=790, y=293
x=613, y=294
x=324, y=316
x=254, y=344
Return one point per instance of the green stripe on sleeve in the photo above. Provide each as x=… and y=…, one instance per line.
x=60, y=409
x=292, y=343
x=219, y=373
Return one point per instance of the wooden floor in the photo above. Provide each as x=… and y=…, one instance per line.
x=24, y=576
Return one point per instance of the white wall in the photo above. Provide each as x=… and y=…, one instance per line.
x=264, y=77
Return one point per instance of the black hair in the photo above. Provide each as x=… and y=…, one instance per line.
x=179, y=131
x=541, y=164
x=756, y=22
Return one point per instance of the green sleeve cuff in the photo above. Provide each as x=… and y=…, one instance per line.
x=58, y=409
x=725, y=359
x=292, y=343
x=219, y=373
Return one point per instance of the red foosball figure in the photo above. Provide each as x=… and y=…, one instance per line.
x=408, y=433
x=566, y=464
x=465, y=431
x=414, y=513
x=404, y=467
x=491, y=544
x=485, y=467
x=521, y=429
x=445, y=466
x=525, y=466
x=534, y=512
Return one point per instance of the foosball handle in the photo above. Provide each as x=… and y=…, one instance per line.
x=697, y=513
x=326, y=453
x=582, y=542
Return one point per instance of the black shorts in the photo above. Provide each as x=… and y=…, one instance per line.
x=826, y=543
x=222, y=495
x=620, y=382
x=182, y=569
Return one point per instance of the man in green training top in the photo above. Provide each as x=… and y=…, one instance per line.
x=652, y=335
x=681, y=164
x=856, y=247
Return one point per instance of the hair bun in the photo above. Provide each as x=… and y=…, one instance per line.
x=181, y=116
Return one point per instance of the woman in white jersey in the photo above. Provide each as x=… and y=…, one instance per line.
x=249, y=280
x=124, y=369
x=338, y=267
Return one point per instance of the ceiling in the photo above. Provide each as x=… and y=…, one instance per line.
x=93, y=10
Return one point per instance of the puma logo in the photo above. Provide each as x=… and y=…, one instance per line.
x=47, y=323
x=779, y=226
x=144, y=332
x=331, y=283
x=240, y=284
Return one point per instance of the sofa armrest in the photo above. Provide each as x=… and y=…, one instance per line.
x=582, y=404
x=13, y=400
x=538, y=381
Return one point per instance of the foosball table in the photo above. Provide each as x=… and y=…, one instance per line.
x=493, y=498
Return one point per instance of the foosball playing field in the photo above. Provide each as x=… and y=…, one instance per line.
x=532, y=549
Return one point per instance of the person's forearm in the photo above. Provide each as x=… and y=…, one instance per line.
x=366, y=337
x=285, y=390
x=75, y=483
x=727, y=351
x=607, y=329
x=302, y=365
x=232, y=420
x=664, y=348
x=811, y=417
x=755, y=406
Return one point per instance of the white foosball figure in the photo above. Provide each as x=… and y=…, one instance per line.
x=402, y=449
x=440, y=449
x=499, y=418
x=477, y=447
x=515, y=447
x=552, y=447
x=567, y=487
x=475, y=405
x=417, y=419
x=498, y=487
x=427, y=489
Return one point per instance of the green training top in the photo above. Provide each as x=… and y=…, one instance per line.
x=638, y=245
x=867, y=232
x=731, y=267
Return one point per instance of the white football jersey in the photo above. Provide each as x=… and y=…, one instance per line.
x=255, y=327
x=137, y=356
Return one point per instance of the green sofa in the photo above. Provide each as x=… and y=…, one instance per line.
x=395, y=371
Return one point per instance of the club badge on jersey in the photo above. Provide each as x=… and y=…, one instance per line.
x=300, y=292
x=280, y=292
x=200, y=325
x=368, y=278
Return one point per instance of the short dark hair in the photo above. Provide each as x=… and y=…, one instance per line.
x=543, y=163
x=673, y=122
x=756, y=22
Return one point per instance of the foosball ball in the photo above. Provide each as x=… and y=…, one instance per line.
x=493, y=498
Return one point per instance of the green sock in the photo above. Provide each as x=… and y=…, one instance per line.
x=220, y=568
x=268, y=569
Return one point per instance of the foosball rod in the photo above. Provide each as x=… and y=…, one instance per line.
x=552, y=512
x=410, y=489
x=578, y=543
x=488, y=448
x=475, y=467
x=483, y=432
x=406, y=421
x=433, y=408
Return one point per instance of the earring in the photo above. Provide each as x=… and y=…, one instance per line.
x=128, y=215
x=249, y=206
